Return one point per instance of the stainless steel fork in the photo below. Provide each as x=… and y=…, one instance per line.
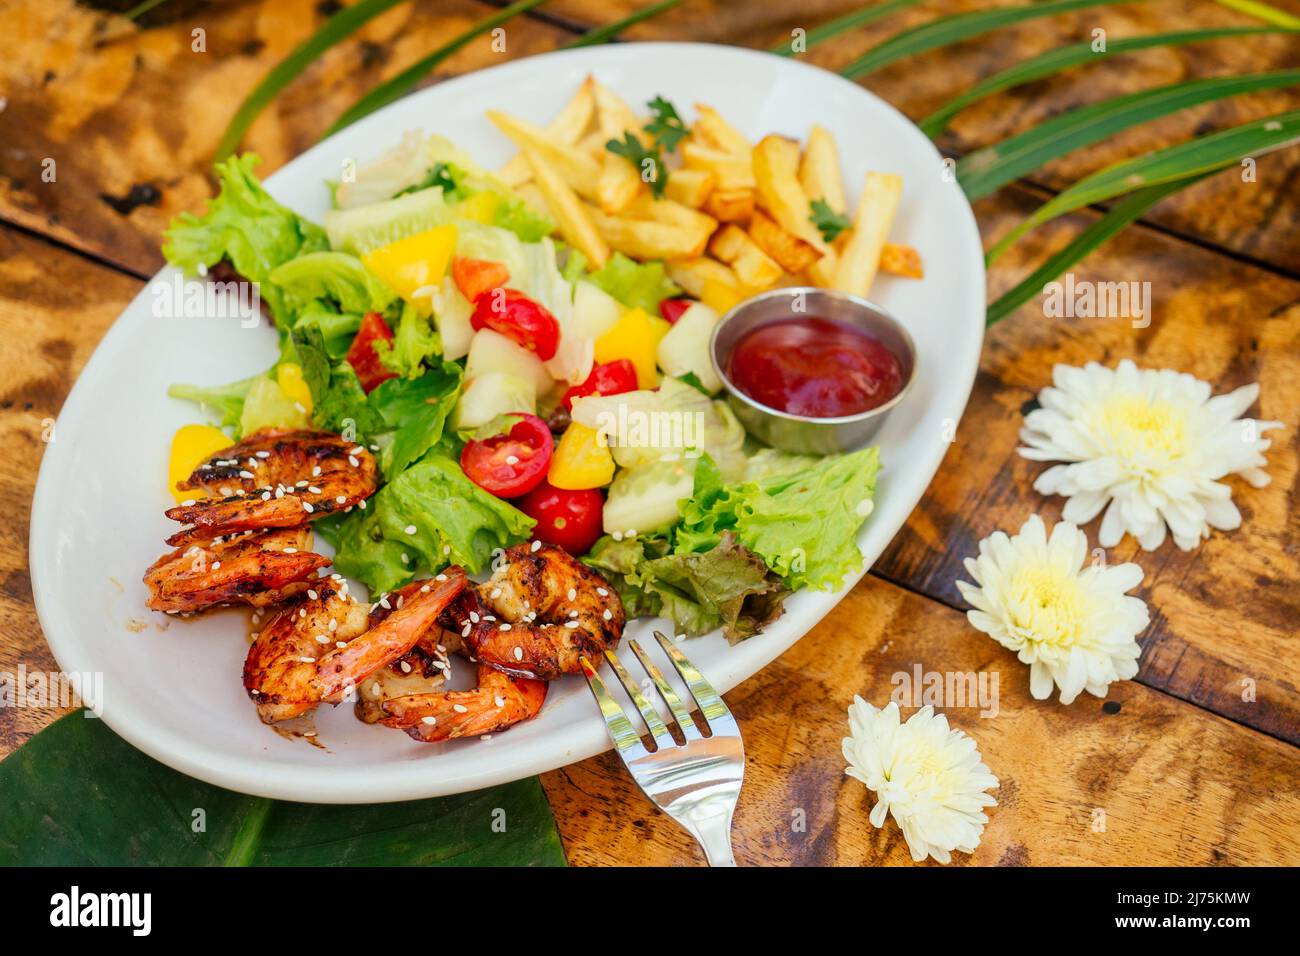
x=696, y=782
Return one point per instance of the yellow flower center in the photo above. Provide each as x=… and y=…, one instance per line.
x=1047, y=604
x=1141, y=431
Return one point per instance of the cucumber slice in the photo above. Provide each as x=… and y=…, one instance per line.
x=364, y=228
x=645, y=499
x=491, y=395
x=685, y=349
x=490, y=351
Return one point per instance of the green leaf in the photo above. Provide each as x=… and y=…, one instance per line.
x=334, y=30
x=1262, y=11
x=962, y=26
x=829, y=222
x=850, y=21
x=76, y=794
x=667, y=127
x=1118, y=218
x=638, y=154
x=1064, y=58
x=988, y=169
x=1205, y=154
x=611, y=30
x=404, y=82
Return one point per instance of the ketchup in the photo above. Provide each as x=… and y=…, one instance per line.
x=818, y=368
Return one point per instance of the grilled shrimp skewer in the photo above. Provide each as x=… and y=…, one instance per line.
x=545, y=610
x=319, y=646
x=254, y=568
x=274, y=478
x=390, y=696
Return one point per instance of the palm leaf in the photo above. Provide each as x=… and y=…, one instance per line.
x=402, y=83
x=333, y=31
x=1118, y=218
x=962, y=26
x=850, y=21
x=1203, y=155
x=1262, y=11
x=1065, y=58
x=76, y=794
x=985, y=170
x=609, y=31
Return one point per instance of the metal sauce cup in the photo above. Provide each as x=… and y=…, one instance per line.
x=801, y=433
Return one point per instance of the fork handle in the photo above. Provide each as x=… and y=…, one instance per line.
x=714, y=836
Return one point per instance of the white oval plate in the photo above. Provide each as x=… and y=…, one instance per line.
x=173, y=688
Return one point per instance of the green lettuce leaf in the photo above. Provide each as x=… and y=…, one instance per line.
x=728, y=586
x=454, y=521
x=415, y=343
x=334, y=277
x=226, y=400
x=415, y=411
x=637, y=285
x=244, y=226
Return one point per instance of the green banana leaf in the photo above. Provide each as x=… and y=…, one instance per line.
x=992, y=167
x=1202, y=155
x=1067, y=57
x=850, y=21
x=76, y=794
x=961, y=26
x=610, y=31
x=1115, y=220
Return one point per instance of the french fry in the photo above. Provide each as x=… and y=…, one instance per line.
x=753, y=267
x=716, y=132
x=673, y=213
x=730, y=205
x=576, y=168
x=618, y=184
x=530, y=194
x=792, y=253
x=860, y=259
x=901, y=260
x=613, y=116
x=819, y=170
x=690, y=187
x=692, y=274
x=576, y=226
x=647, y=239
x=729, y=170
x=593, y=144
x=567, y=128
x=776, y=172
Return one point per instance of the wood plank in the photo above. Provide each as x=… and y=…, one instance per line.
x=1173, y=785
x=134, y=120
x=54, y=308
x=1225, y=614
x=1261, y=223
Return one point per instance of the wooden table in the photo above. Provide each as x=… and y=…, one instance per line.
x=1195, y=761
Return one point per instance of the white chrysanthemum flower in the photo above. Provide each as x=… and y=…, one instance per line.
x=1151, y=444
x=1074, y=626
x=929, y=776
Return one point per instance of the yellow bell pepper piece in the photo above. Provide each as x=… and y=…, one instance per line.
x=191, y=446
x=581, y=460
x=481, y=207
x=634, y=337
x=414, y=262
x=289, y=377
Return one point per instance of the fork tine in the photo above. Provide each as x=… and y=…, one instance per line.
x=711, y=706
x=648, y=713
x=680, y=713
x=626, y=739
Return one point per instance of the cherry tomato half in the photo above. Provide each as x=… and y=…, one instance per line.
x=362, y=355
x=519, y=319
x=512, y=463
x=475, y=276
x=672, y=309
x=570, y=519
x=612, y=378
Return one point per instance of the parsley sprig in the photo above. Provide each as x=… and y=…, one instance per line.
x=667, y=127
x=649, y=162
x=826, y=219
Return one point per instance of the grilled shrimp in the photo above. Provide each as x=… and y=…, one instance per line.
x=321, y=645
x=405, y=693
x=545, y=610
x=259, y=568
x=274, y=478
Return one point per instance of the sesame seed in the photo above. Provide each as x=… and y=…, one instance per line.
x=506, y=627
x=608, y=615
x=424, y=589
x=290, y=550
x=306, y=506
x=322, y=639
x=406, y=558
x=473, y=616
x=263, y=454
x=571, y=624
x=536, y=546
x=429, y=720
x=358, y=450
x=314, y=490
x=245, y=474
x=573, y=594
x=307, y=660
x=312, y=594
x=301, y=484
x=383, y=602
x=266, y=496
x=334, y=625
x=573, y=614
x=361, y=505
x=440, y=577
x=499, y=701
x=512, y=459
x=410, y=529
x=446, y=549
x=519, y=653
x=602, y=592
x=496, y=593
x=341, y=499
x=465, y=630
x=342, y=644
x=406, y=668
x=460, y=708
x=352, y=460
x=486, y=737
x=187, y=502
x=617, y=535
